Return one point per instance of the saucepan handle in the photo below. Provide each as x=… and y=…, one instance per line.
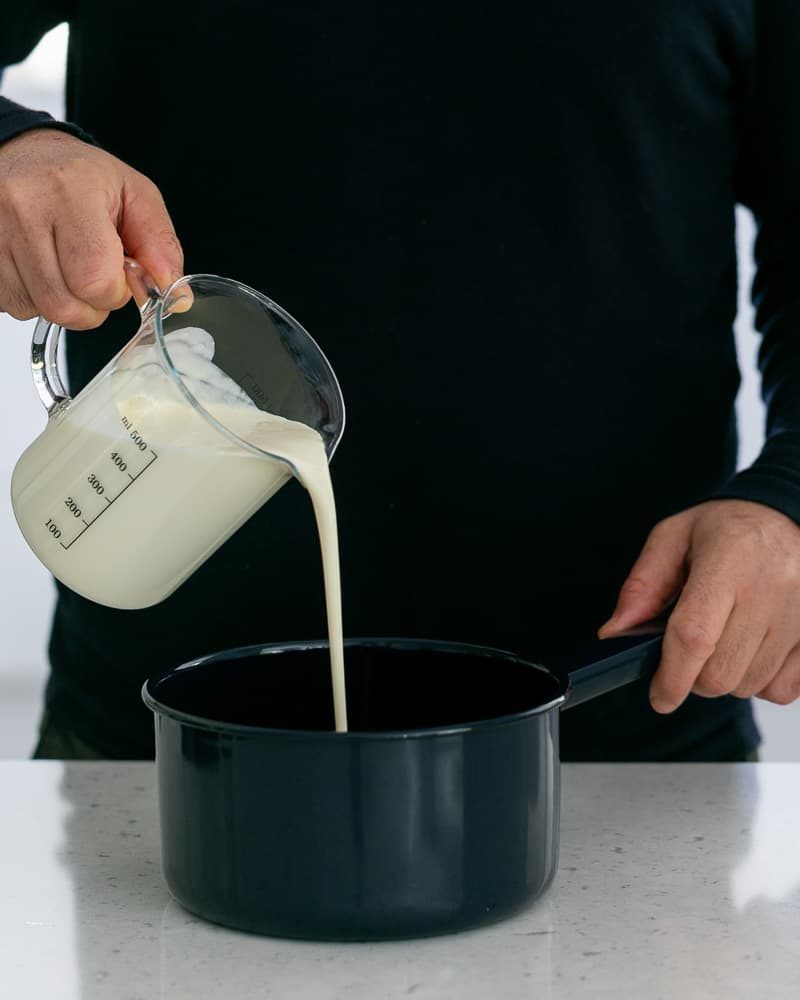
x=631, y=664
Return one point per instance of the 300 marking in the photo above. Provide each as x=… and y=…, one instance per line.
x=96, y=485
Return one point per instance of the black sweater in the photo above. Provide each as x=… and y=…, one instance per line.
x=511, y=228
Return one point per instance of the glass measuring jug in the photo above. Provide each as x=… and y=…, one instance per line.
x=136, y=481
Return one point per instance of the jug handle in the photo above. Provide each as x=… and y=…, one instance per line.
x=46, y=335
x=44, y=364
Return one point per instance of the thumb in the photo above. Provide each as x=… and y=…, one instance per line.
x=147, y=232
x=655, y=578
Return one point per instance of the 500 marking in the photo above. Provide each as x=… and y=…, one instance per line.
x=135, y=436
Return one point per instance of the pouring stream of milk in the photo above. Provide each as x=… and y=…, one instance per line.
x=303, y=447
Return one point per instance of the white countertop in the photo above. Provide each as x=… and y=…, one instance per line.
x=676, y=881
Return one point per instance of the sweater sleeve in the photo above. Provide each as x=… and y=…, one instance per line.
x=769, y=184
x=21, y=27
x=14, y=120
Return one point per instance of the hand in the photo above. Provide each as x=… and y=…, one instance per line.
x=736, y=626
x=68, y=214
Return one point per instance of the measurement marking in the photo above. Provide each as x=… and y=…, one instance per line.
x=85, y=521
x=110, y=502
x=129, y=475
x=75, y=539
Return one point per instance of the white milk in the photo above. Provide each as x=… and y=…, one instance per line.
x=130, y=489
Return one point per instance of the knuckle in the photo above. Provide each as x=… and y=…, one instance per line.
x=76, y=173
x=713, y=684
x=142, y=188
x=14, y=192
x=787, y=572
x=691, y=635
x=21, y=313
x=17, y=304
x=779, y=695
x=782, y=690
x=60, y=307
x=745, y=689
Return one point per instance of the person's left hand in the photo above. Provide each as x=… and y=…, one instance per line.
x=736, y=626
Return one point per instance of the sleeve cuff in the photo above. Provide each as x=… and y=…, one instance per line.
x=773, y=479
x=14, y=120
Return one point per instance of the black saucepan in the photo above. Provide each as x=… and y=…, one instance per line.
x=439, y=810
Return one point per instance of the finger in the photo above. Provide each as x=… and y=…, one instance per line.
x=770, y=657
x=736, y=649
x=655, y=578
x=182, y=299
x=37, y=262
x=784, y=688
x=147, y=231
x=90, y=254
x=14, y=298
x=693, y=632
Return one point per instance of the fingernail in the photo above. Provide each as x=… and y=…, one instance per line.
x=660, y=705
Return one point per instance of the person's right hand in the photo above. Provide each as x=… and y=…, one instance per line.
x=69, y=213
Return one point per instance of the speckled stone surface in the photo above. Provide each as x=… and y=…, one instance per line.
x=676, y=881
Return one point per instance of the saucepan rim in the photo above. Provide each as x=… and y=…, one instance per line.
x=433, y=732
